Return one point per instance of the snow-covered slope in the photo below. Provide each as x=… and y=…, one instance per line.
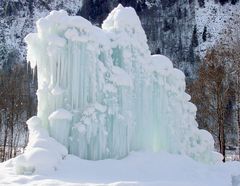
x=217, y=21
x=17, y=20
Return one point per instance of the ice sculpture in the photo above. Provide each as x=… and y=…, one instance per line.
x=102, y=94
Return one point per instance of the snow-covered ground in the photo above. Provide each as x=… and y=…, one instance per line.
x=139, y=168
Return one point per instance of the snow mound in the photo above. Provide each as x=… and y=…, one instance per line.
x=42, y=154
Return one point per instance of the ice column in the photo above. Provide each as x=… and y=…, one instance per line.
x=102, y=94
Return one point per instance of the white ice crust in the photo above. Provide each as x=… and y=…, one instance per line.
x=102, y=94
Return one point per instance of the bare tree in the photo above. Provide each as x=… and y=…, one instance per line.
x=212, y=92
x=17, y=104
x=231, y=40
x=217, y=91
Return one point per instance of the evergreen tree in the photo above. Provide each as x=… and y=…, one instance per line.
x=158, y=51
x=204, y=35
x=201, y=3
x=3, y=50
x=194, y=37
x=222, y=2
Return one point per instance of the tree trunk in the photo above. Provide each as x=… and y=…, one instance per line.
x=220, y=118
x=238, y=120
x=5, y=142
x=238, y=110
x=11, y=128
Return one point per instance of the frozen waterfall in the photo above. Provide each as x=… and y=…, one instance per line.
x=102, y=94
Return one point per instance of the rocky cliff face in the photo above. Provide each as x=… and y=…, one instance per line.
x=174, y=28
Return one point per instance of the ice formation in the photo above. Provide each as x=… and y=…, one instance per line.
x=43, y=152
x=102, y=94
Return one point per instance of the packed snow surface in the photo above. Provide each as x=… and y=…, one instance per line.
x=139, y=168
